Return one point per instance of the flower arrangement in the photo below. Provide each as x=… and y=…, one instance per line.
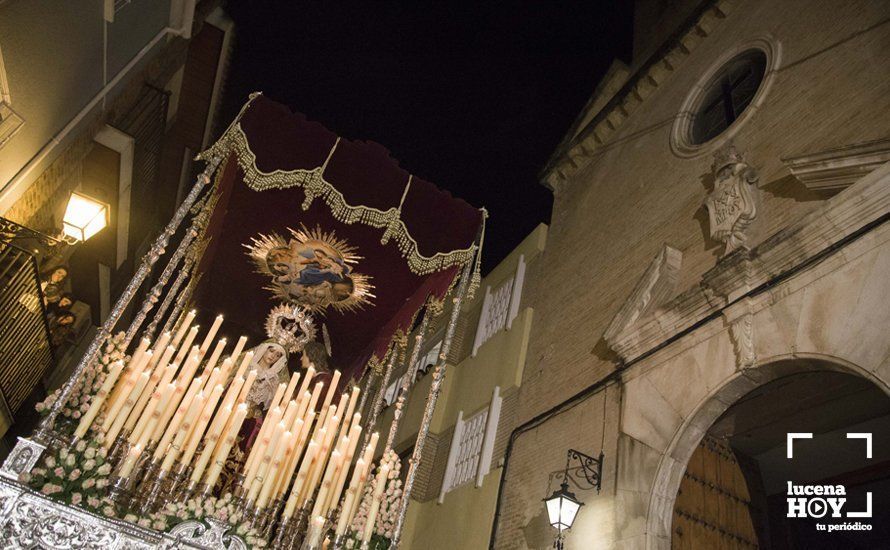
x=387, y=515
x=89, y=383
x=78, y=476
x=392, y=497
x=223, y=509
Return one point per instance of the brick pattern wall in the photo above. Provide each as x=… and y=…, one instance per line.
x=506, y=425
x=426, y=487
x=636, y=194
x=41, y=202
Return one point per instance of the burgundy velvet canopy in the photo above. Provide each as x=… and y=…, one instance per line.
x=284, y=171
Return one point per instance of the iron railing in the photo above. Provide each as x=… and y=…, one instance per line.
x=26, y=352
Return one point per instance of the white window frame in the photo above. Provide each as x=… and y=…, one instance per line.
x=472, y=447
x=500, y=307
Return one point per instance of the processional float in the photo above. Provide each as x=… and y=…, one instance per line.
x=327, y=255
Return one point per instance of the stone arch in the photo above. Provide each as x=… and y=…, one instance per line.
x=675, y=458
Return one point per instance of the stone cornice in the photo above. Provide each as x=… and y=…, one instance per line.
x=838, y=168
x=746, y=272
x=576, y=152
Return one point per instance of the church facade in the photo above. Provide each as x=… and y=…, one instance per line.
x=715, y=278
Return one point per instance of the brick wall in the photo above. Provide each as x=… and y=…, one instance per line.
x=635, y=194
x=41, y=203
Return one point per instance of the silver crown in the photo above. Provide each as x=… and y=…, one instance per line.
x=290, y=326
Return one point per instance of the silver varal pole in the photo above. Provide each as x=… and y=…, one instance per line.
x=435, y=387
x=369, y=383
x=172, y=293
x=198, y=223
x=377, y=404
x=44, y=432
x=407, y=381
x=181, y=301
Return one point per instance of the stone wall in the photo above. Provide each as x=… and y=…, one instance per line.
x=633, y=194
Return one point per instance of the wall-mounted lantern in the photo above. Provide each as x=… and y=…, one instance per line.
x=563, y=505
x=84, y=217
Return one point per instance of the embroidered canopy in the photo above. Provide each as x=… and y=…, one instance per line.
x=335, y=225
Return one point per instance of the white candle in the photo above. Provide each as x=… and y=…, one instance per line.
x=173, y=453
x=258, y=475
x=162, y=342
x=248, y=357
x=173, y=416
x=128, y=405
x=239, y=347
x=214, y=357
x=186, y=344
x=222, y=451
x=130, y=462
x=136, y=358
x=380, y=485
x=96, y=404
x=304, y=386
x=270, y=479
x=260, y=443
x=332, y=389
x=197, y=433
x=297, y=487
x=183, y=327
x=210, y=443
x=353, y=437
x=211, y=334
x=345, y=512
x=164, y=394
x=119, y=394
x=291, y=386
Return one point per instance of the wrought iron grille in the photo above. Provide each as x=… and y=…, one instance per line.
x=146, y=121
x=25, y=349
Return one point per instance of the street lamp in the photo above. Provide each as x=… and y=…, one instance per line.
x=563, y=505
x=84, y=217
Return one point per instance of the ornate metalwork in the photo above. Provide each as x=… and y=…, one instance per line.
x=22, y=458
x=30, y=521
x=25, y=238
x=432, y=398
x=210, y=534
x=413, y=365
x=199, y=222
x=377, y=404
x=171, y=294
x=586, y=475
x=45, y=429
x=183, y=298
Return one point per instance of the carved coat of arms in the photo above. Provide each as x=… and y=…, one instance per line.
x=731, y=205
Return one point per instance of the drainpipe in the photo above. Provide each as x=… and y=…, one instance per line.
x=615, y=375
x=17, y=186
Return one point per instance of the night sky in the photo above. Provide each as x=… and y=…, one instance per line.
x=474, y=98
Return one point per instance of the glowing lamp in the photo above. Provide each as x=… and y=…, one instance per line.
x=84, y=217
x=562, y=507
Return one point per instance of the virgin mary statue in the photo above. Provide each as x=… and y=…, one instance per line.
x=270, y=363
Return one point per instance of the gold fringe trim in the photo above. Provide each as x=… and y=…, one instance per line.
x=234, y=141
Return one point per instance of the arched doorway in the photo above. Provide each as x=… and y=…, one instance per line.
x=734, y=490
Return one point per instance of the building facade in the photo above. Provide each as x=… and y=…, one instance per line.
x=110, y=99
x=458, y=477
x=715, y=277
